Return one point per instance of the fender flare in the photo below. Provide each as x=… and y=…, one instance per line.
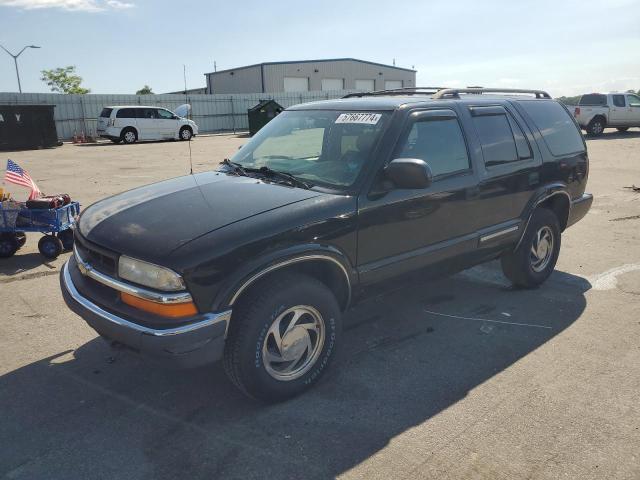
x=544, y=194
x=242, y=279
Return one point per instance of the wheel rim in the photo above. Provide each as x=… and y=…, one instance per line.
x=130, y=137
x=542, y=249
x=597, y=127
x=186, y=134
x=293, y=343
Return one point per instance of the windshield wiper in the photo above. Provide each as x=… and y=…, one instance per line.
x=235, y=167
x=286, y=176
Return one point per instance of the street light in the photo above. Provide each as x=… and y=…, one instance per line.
x=15, y=60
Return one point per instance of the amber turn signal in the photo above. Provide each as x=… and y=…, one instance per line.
x=172, y=310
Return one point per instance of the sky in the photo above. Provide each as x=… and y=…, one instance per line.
x=566, y=47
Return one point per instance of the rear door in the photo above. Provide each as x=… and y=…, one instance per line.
x=509, y=172
x=148, y=128
x=403, y=230
x=126, y=117
x=103, y=119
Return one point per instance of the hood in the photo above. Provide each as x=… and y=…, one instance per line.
x=150, y=222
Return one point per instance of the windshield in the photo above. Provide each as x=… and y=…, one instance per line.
x=325, y=148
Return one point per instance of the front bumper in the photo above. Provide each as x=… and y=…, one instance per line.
x=579, y=208
x=198, y=342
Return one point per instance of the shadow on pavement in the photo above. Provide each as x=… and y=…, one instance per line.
x=22, y=263
x=406, y=356
x=614, y=135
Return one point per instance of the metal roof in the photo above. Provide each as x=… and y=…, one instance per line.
x=311, y=61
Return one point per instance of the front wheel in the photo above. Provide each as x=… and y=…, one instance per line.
x=185, y=133
x=282, y=337
x=535, y=258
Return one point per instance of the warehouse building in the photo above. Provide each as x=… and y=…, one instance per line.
x=310, y=75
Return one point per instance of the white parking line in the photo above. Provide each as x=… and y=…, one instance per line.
x=488, y=320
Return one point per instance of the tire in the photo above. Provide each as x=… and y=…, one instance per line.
x=253, y=355
x=185, y=133
x=527, y=269
x=622, y=129
x=50, y=246
x=21, y=237
x=596, y=126
x=9, y=245
x=129, y=135
x=66, y=237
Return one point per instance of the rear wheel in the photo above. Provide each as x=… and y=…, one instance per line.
x=535, y=258
x=129, y=135
x=50, y=246
x=8, y=245
x=282, y=337
x=622, y=129
x=596, y=126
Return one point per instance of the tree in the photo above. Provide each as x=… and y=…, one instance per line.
x=146, y=90
x=64, y=80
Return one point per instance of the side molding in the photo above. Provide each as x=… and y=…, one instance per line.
x=286, y=263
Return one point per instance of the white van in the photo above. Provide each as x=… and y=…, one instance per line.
x=129, y=124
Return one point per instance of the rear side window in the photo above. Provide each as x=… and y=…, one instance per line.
x=126, y=113
x=593, y=99
x=496, y=138
x=556, y=126
x=106, y=112
x=618, y=100
x=439, y=142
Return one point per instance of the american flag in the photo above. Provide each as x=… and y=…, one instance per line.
x=17, y=175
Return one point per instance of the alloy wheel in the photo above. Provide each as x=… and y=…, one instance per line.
x=541, y=249
x=293, y=343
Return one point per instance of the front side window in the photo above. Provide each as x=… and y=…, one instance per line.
x=165, y=114
x=439, y=142
x=618, y=100
x=327, y=148
x=634, y=100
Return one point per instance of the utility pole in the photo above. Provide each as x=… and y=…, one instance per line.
x=215, y=66
x=15, y=61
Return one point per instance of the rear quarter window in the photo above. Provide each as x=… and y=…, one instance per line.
x=106, y=112
x=556, y=126
x=126, y=113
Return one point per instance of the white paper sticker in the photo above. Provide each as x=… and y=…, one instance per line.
x=366, y=118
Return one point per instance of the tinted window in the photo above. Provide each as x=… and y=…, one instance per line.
x=106, y=112
x=496, y=138
x=148, y=113
x=618, y=100
x=126, y=113
x=593, y=99
x=440, y=143
x=556, y=126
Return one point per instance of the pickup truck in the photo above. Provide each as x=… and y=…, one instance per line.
x=597, y=111
x=254, y=263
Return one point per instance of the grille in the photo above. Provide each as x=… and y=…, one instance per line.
x=102, y=261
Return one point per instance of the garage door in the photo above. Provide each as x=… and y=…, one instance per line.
x=365, y=85
x=296, y=84
x=391, y=84
x=332, y=84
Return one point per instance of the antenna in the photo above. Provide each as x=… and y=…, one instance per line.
x=186, y=99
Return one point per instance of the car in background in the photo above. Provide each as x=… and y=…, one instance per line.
x=597, y=111
x=129, y=124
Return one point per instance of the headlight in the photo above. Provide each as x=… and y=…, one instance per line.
x=149, y=274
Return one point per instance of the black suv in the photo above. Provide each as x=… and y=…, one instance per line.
x=256, y=262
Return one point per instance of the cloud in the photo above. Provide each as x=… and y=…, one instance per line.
x=70, y=5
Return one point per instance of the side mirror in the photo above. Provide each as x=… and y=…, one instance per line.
x=409, y=173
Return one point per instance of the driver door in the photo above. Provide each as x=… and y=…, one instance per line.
x=403, y=230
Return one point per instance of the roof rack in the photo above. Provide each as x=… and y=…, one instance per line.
x=397, y=91
x=455, y=92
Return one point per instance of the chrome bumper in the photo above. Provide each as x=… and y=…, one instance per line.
x=196, y=343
